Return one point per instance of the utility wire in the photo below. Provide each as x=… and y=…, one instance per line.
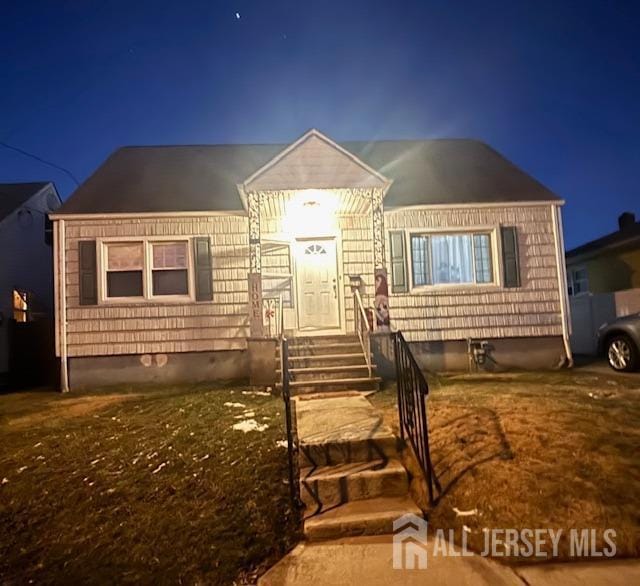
x=41, y=160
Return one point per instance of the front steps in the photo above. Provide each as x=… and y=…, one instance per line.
x=351, y=479
x=329, y=363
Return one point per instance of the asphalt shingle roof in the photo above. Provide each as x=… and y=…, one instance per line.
x=204, y=178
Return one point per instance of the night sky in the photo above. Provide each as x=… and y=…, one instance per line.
x=554, y=86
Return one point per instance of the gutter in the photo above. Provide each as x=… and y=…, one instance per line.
x=61, y=302
x=558, y=238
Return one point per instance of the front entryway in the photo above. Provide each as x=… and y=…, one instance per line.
x=318, y=287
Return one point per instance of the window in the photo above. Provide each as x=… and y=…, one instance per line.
x=146, y=270
x=20, y=306
x=441, y=259
x=125, y=266
x=578, y=281
x=170, y=275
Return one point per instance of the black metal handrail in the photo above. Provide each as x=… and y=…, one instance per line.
x=291, y=441
x=412, y=409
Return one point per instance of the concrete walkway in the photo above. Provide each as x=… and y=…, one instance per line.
x=368, y=560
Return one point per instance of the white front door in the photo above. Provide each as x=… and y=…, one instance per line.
x=318, y=287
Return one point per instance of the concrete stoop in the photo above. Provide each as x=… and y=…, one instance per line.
x=329, y=363
x=351, y=480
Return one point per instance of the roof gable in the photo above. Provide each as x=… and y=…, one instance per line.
x=14, y=195
x=314, y=161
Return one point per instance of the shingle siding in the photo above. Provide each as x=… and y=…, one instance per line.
x=484, y=311
x=156, y=327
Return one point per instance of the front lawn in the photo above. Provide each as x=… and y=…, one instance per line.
x=142, y=485
x=534, y=450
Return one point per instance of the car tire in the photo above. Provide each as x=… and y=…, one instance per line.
x=622, y=353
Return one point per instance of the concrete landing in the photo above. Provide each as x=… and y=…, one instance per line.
x=368, y=560
x=345, y=418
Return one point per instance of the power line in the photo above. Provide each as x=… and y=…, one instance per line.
x=41, y=160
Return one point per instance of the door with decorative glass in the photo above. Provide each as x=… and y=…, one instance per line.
x=318, y=306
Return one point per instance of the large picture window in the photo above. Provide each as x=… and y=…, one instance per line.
x=441, y=259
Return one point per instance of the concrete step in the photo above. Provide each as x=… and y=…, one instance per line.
x=327, y=359
x=363, y=517
x=351, y=347
x=362, y=383
x=345, y=451
x=330, y=486
x=344, y=371
x=329, y=338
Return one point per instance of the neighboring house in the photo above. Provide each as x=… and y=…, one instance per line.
x=607, y=264
x=26, y=274
x=167, y=255
x=603, y=281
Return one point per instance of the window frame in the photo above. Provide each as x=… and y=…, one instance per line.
x=495, y=256
x=571, y=280
x=147, y=270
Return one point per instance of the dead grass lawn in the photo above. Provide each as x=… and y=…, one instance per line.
x=535, y=450
x=142, y=485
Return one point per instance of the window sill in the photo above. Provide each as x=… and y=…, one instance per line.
x=159, y=300
x=454, y=287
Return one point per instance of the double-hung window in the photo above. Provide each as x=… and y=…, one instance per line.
x=124, y=269
x=155, y=269
x=170, y=268
x=441, y=259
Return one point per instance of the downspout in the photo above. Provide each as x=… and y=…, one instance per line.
x=62, y=309
x=562, y=283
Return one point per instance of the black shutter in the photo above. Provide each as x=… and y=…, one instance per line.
x=399, y=282
x=204, y=276
x=510, y=256
x=88, y=272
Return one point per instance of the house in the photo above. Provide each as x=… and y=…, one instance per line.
x=607, y=264
x=604, y=281
x=168, y=256
x=26, y=274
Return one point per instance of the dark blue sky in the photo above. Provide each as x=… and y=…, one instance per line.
x=555, y=86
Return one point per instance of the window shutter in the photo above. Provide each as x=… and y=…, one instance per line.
x=510, y=256
x=88, y=272
x=398, y=263
x=204, y=274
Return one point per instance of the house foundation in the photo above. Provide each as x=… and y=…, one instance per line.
x=162, y=369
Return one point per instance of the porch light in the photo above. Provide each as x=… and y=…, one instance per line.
x=311, y=212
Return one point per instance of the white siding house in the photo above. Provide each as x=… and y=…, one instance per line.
x=168, y=257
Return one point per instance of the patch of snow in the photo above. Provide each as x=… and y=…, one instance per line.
x=465, y=528
x=460, y=513
x=257, y=393
x=249, y=413
x=281, y=443
x=229, y=404
x=5, y=480
x=38, y=445
x=22, y=469
x=250, y=425
x=159, y=467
